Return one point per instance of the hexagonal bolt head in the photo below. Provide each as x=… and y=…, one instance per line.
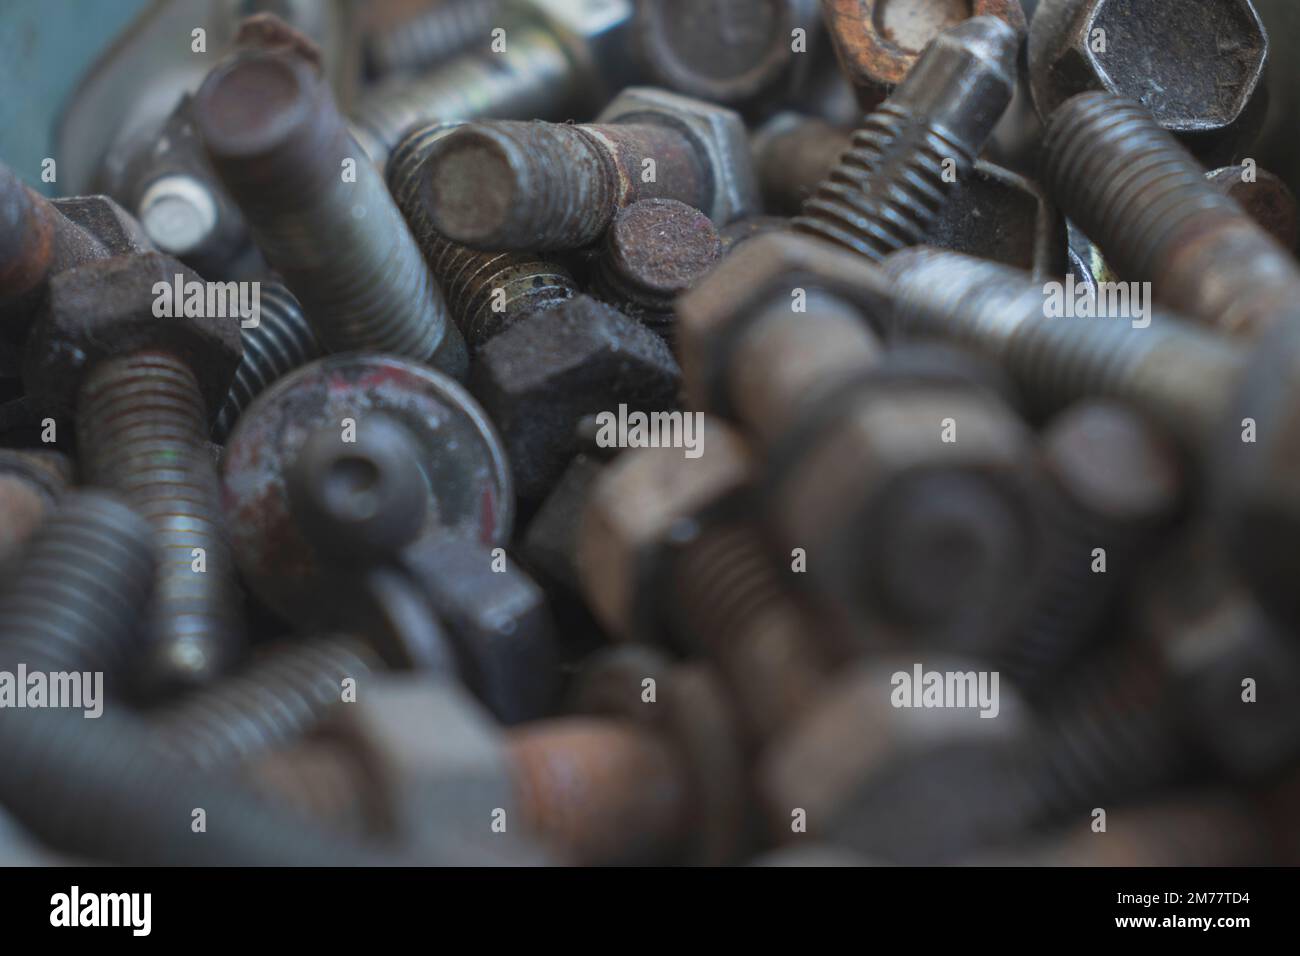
x=540, y=378
x=1195, y=64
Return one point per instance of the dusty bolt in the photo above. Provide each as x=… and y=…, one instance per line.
x=468, y=492
x=742, y=55
x=281, y=341
x=561, y=59
x=278, y=143
x=143, y=394
x=878, y=42
x=541, y=377
x=655, y=250
x=426, y=37
x=887, y=190
x=1195, y=64
x=1137, y=193
x=544, y=186
x=486, y=291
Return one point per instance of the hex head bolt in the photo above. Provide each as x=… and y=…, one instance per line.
x=655, y=250
x=889, y=187
x=143, y=391
x=880, y=42
x=273, y=703
x=281, y=342
x=486, y=292
x=1116, y=482
x=546, y=187
x=76, y=600
x=561, y=59
x=278, y=143
x=1143, y=198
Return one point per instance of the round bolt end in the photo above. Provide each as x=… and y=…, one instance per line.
x=254, y=104
x=179, y=213
x=473, y=177
x=662, y=246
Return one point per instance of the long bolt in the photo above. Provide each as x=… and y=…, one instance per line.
x=431, y=35
x=142, y=429
x=281, y=341
x=487, y=292
x=888, y=188
x=548, y=186
x=320, y=212
x=1137, y=192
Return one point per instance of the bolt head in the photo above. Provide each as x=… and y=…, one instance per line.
x=719, y=133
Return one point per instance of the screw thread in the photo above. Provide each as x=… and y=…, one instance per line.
x=733, y=603
x=1180, y=376
x=273, y=704
x=1137, y=192
x=533, y=77
x=367, y=287
x=885, y=192
x=141, y=427
x=281, y=342
x=76, y=598
x=486, y=292
x=432, y=35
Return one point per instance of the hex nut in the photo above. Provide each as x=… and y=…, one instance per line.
x=718, y=133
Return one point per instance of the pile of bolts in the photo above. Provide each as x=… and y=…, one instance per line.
x=605, y=432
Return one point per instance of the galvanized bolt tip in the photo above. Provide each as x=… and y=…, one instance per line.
x=663, y=244
x=1113, y=462
x=179, y=213
x=472, y=178
x=254, y=103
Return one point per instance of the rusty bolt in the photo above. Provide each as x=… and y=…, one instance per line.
x=468, y=492
x=741, y=55
x=878, y=42
x=277, y=141
x=655, y=250
x=543, y=186
x=561, y=59
x=541, y=377
x=1137, y=193
x=143, y=394
x=887, y=190
x=486, y=291
x=1194, y=64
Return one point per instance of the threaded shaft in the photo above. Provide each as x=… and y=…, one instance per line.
x=888, y=188
x=583, y=786
x=521, y=185
x=1181, y=377
x=299, y=178
x=281, y=342
x=486, y=292
x=534, y=77
x=77, y=597
x=733, y=604
x=272, y=704
x=1144, y=199
x=141, y=424
x=432, y=35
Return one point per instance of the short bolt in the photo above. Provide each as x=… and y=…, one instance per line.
x=1141, y=196
x=487, y=292
x=889, y=187
x=655, y=250
x=284, y=153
